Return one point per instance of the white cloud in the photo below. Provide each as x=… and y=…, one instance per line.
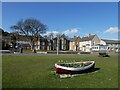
x=71, y=31
x=112, y=30
x=48, y=32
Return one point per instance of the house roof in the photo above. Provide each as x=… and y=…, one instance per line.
x=6, y=38
x=64, y=36
x=88, y=38
x=22, y=38
x=73, y=39
x=111, y=41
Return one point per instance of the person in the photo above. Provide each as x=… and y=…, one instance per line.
x=11, y=49
x=34, y=50
x=21, y=49
x=16, y=47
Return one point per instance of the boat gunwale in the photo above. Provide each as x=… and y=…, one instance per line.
x=74, y=68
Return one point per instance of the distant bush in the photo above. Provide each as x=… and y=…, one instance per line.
x=67, y=52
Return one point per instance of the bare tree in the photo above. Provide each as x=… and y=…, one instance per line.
x=31, y=28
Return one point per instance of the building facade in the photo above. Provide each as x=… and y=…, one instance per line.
x=74, y=43
x=62, y=42
x=112, y=45
x=88, y=42
x=99, y=47
x=52, y=43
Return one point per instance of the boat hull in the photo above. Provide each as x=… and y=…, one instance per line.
x=63, y=70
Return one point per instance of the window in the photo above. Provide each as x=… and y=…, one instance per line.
x=65, y=41
x=62, y=46
x=93, y=43
x=43, y=47
x=62, y=41
x=88, y=44
x=49, y=43
x=74, y=47
x=99, y=47
x=43, y=43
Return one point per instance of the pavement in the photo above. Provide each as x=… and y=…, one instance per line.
x=43, y=54
x=39, y=54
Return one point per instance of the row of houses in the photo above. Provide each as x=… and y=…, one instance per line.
x=94, y=43
x=52, y=43
x=86, y=44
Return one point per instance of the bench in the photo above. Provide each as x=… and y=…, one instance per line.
x=4, y=51
x=104, y=54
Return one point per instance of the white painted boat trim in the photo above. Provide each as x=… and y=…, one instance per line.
x=75, y=69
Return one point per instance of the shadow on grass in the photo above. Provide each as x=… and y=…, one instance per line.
x=104, y=55
x=69, y=75
x=89, y=71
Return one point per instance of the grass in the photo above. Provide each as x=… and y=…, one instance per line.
x=36, y=72
x=0, y=71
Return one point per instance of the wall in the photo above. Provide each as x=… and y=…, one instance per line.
x=102, y=42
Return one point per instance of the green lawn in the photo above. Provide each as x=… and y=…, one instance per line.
x=0, y=72
x=35, y=72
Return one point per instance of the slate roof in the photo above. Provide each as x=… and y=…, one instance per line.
x=88, y=38
x=73, y=39
x=22, y=38
x=64, y=36
x=6, y=38
x=111, y=41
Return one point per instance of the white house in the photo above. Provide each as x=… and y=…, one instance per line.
x=72, y=46
x=89, y=41
x=100, y=47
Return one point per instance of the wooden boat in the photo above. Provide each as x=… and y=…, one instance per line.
x=75, y=67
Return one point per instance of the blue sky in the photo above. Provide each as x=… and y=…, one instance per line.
x=80, y=18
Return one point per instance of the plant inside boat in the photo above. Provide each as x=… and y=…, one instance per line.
x=75, y=65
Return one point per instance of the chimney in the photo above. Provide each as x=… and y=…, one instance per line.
x=45, y=36
x=51, y=35
x=74, y=36
x=89, y=35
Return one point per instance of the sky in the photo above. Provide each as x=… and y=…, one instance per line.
x=70, y=18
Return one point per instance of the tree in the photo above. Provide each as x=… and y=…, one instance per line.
x=31, y=28
x=14, y=38
x=3, y=33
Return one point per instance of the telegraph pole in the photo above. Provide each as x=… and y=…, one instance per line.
x=57, y=44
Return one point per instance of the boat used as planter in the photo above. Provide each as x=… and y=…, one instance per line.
x=75, y=67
